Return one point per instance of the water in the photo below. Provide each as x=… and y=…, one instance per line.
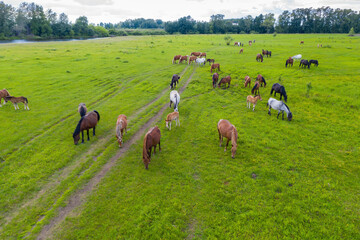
x=23, y=41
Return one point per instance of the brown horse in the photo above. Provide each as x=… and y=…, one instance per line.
x=250, y=99
x=301, y=42
x=264, y=52
x=191, y=59
x=247, y=81
x=203, y=55
x=174, y=116
x=250, y=43
x=256, y=88
x=121, y=125
x=226, y=129
x=259, y=57
x=215, y=78
x=177, y=57
x=236, y=44
x=261, y=79
x=183, y=58
x=195, y=54
x=210, y=60
x=151, y=139
x=241, y=51
x=215, y=66
x=225, y=80
x=289, y=61
x=86, y=122
x=3, y=93
x=16, y=100
x=82, y=109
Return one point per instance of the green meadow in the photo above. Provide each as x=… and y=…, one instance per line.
x=288, y=180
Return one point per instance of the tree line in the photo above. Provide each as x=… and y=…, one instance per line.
x=30, y=20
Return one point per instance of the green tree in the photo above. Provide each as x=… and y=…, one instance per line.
x=81, y=26
x=352, y=32
x=7, y=19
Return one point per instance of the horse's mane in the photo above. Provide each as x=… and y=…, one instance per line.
x=97, y=115
x=234, y=136
x=77, y=129
x=253, y=89
x=282, y=90
x=118, y=128
x=286, y=106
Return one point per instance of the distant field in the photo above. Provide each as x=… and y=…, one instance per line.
x=293, y=180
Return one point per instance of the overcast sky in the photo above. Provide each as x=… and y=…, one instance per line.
x=168, y=10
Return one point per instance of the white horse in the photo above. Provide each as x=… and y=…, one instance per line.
x=297, y=57
x=281, y=106
x=175, y=98
x=200, y=61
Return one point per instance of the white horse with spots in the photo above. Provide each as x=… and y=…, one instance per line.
x=280, y=106
x=174, y=98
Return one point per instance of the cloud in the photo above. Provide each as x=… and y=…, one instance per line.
x=95, y=2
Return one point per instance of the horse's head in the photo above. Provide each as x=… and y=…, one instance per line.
x=76, y=139
x=119, y=139
x=146, y=160
x=290, y=116
x=259, y=97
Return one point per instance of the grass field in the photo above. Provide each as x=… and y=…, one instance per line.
x=289, y=180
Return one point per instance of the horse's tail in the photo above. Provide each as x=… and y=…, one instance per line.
x=264, y=81
x=253, y=89
x=97, y=114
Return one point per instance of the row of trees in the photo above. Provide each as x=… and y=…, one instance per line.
x=30, y=19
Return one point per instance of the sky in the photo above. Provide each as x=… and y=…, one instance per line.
x=115, y=11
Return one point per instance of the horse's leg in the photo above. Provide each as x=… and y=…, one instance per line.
x=269, y=110
x=220, y=139
x=15, y=106
x=227, y=144
x=254, y=106
x=155, y=149
x=94, y=131
x=159, y=146
x=278, y=113
x=170, y=125
x=282, y=115
x=88, y=135
x=280, y=95
x=170, y=103
x=82, y=136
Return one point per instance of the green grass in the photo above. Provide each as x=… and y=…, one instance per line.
x=307, y=170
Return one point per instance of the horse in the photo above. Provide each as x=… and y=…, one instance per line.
x=250, y=99
x=215, y=78
x=297, y=57
x=210, y=60
x=86, y=122
x=215, y=66
x=121, y=125
x=247, y=81
x=315, y=62
x=203, y=55
x=226, y=129
x=250, y=43
x=259, y=57
x=264, y=52
x=269, y=54
x=237, y=44
x=289, y=61
x=183, y=58
x=201, y=61
x=224, y=81
x=191, y=59
x=174, y=116
x=279, y=89
x=3, y=93
x=256, y=88
x=177, y=57
x=16, y=100
x=301, y=42
x=197, y=54
x=175, y=98
x=241, y=51
x=82, y=109
x=151, y=139
x=261, y=80
x=280, y=106
x=304, y=63
x=175, y=79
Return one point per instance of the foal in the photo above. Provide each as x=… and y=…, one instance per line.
x=174, y=116
x=16, y=100
x=121, y=125
x=250, y=99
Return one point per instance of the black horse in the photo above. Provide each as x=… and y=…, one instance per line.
x=174, y=80
x=314, y=62
x=279, y=89
x=210, y=61
x=304, y=63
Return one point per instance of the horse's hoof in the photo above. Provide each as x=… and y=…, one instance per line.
x=233, y=157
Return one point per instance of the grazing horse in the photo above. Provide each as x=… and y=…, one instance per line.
x=301, y=42
x=259, y=57
x=226, y=129
x=86, y=122
x=304, y=63
x=241, y=51
x=237, y=44
x=151, y=139
x=174, y=116
x=215, y=78
x=82, y=109
x=247, y=81
x=121, y=125
x=256, y=88
x=191, y=59
x=289, y=61
x=250, y=99
x=175, y=79
x=210, y=60
x=261, y=80
x=250, y=43
x=280, y=106
x=264, y=52
x=215, y=66
x=197, y=54
x=315, y=62
x=203, y=55
x=3, y=93
x=201, y=61
x=183, y=58
x=279, y=89
x=16, y=100
x=177, y=57
x=175, y=98
x=224, y=81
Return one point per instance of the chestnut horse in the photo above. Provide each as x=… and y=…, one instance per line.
x=261, y=80
x=256, y=88
x=215, y=66
x=215, y=78
x=151, y=139
x=247, y=81
x=177, y=57
x=3, y=93
x=86, y=122
x=301, y=42
x=241, y=51
x=174, y=116
x=226, y=129
x=82, y=109
x=183, y=58
x=203, y=55
x=195, y=54
x=191, y=59
x=259, y=57
x=290, y=61
x=121, y=125
x=250, y=43
x=250, y=99
x=224, y=81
